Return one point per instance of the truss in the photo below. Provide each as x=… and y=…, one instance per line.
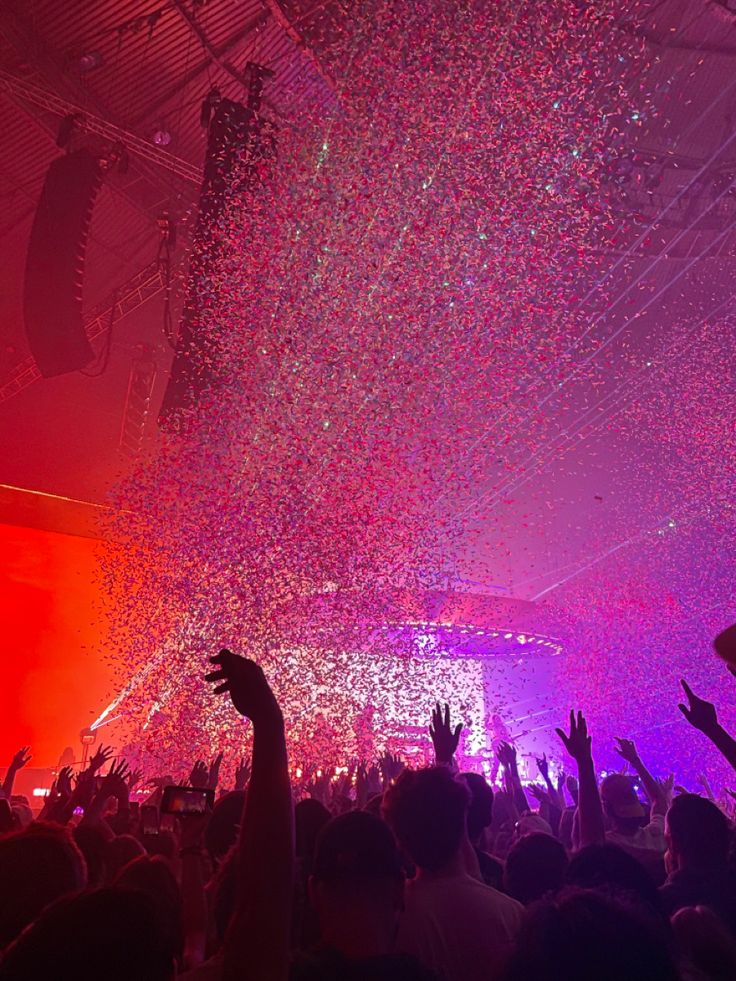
x=139, y=289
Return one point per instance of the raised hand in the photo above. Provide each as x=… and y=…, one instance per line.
x=213, y=774
x=699, y=713
x=199, y=776
x=84, y=788
x=626, y=749
x=705, y=784
x=340, y=788
x=246, y=684
x=260, y=932
x=120, y=771
x=543, y=767
x=444, y=737
x=538, y=793
x=134, y=778
x=18, y=762
x=114, y=783
x=318, y=786
x=101, y=756
x=391, y=766
x=666, y=789
x=64, y=781
x=571, y=782
x=578, y=742
x=242, y=773
x=506, y=754
x=373, y=780
x=21, y=758
x=361, y=783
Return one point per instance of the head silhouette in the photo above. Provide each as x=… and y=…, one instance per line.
x=357, y=884
x=427, y=810
x=37, y=866
x=108, y=933
x=535, y=866
x=583, y=935
x=697, y=833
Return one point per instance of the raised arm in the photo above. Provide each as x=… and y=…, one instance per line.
x=556, y=797
x=507, y=758
x=702, y=715
x=444, y=737
x=21, y=758
x=257, y=944
x=627, y=750
x=590, y=810
x=114, y=784
x=193, y=896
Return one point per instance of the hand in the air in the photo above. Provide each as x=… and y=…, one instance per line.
x=626, y=749
x=21, y=758
x=578, y=742
x=699, y=713
x=242, y=773
x=444, y=738
x=246, y=684
x=101, y=756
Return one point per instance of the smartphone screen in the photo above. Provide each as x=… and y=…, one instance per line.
x=168, y=823
x=187, y=800
x=149, y=819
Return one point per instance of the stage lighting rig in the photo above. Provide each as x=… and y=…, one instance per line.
x=88, y=737
x=89, y=61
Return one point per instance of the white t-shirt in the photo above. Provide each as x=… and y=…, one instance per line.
x=649, y=838
x=458, y=927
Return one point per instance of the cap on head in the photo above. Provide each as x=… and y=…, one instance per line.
x=619, y=796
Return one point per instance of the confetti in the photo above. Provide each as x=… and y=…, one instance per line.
x=400, y=343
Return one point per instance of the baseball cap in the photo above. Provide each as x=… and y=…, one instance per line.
x=357, y=845
x=619, y=794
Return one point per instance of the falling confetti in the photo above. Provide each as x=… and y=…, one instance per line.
x=399, y=343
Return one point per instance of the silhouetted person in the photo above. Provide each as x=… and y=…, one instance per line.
x=583, y=936
x=535, y=867
x=113, y=934
x=697, y=841
x=357, y=891
x=454, y=923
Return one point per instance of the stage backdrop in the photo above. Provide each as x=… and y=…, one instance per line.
x=54, y=681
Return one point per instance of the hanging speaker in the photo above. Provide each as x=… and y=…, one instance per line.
x=52, y=293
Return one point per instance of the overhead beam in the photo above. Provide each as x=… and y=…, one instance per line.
x=19, y=33
x=221, y=62
x=215, y=56
x=293, y=33
x=139, y=289
x=25, y=91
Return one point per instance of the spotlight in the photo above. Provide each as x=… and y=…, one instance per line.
x=162, y=136
x=90, y=60
x=87, y=736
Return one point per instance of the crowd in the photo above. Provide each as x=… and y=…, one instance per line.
x=387, y=872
